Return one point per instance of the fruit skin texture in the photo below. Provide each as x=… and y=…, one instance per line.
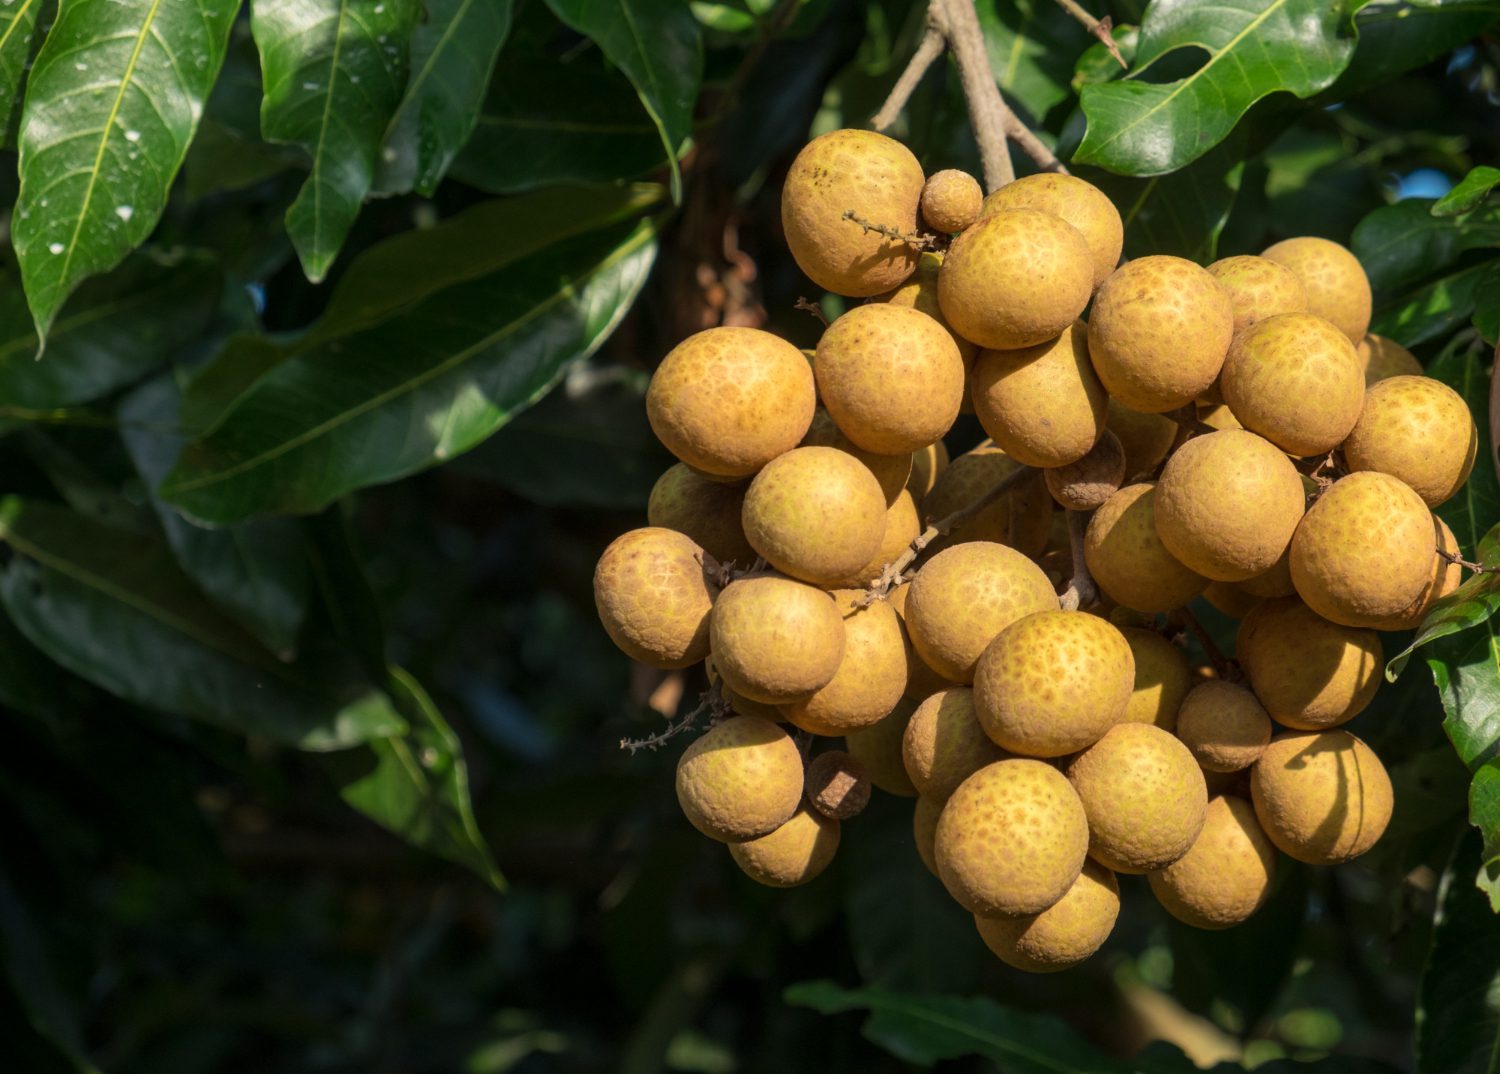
x=1144, y=796
x=891, y=377
x=1080, y=203
x=1446, y=577
x=654, y=598
x=1052, y=683
x=1383, y=358
x=707, y=511
x=1223, y=725
x=1126, y=556
x=728, y=400
x=924, y=822
x=1258, y=288
x=1064, y=934
x=870, y=678
x=1042, y=405
x=944, y=744
x=1309, y=673
x=1227, y=874
x=1294, y=379
x=740, y=779
x=873, y=175
x=1087, y=482
x=878, y=748
x=793, y=854
x=1337, y=288
x=967, y=477
x=1227, y=504
x=837, y=786
x=921, y=293
x=964, y=596
x=892, y=471
x=927, y=466
x=1323, y=797
x=951, y=200
x=902, y=525
x=774, y=639
x=1417, y=429
x=1162, y=679
x=1159, y=331
x=1363, y=552
x=1146, y=438
x=1011, y=839
x=1227, y=598
x=1015, y=278
x=815, y=513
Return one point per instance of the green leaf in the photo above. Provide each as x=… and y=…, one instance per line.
x=1458, y=1006
x=657, y=43
x=1396, y=37
x=1254, y=48
x=452, y=54
x=1471, y=604
x=1031, y=45
x=1401, y=243
x=1183, y=213
x=17, y=25
x=1435, y=308
x=1471, y=190
x=113, y=607
x=333, y=71
x=111, y=106
x=1466, y=669
x=1472, y=512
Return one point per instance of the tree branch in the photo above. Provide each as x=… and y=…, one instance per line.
x=1100, y=28
x=929, y=51
x=1081, y=592
x=711, y=702
x=1228, y=669
x=987, y=112
x=1467, y=564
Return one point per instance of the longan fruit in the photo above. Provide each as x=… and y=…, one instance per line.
x=741, y=706
x=775, y=639
x=1384, y=358
x=1042, y=405
x=1128, y=560
x=1218, y=417
x=892, y=471
x=1022, y=518
x=1227, y=874
x=740, y=779
x=1417, y=429
x=1228, y=598
x=921, y=681
x=1162, y=679
x=1446, y=577
x=1145, y=438
x=878, y=748
x=870, y=678
x=1337, y=288
x=924, y=822
x=815, y=513
x=1309, y=673
x=654, y=597
x=1078, y=202
x=1258, y=288
x=1223, y=725
x=921, y=293
x=1276, y=581
x=1064, y=934
x=927, y=466
x=793, y=854
x=945, y=744
x=1086, y=483
x=902, y=526
x=705, y=510
x=1323, y=797
x=951, y=200
x=837, y=786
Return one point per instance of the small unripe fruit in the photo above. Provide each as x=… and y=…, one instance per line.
x=1336, y=285
x=927, y=466
x=1064, y=934
x=924, y=822
x=1323, y=797
x=1296, y=381
x=706, y=510
x=1417, y=429
x=1126, y=556
x=1227, y=874
x=1086, y=483
x=1042, y=405
x=1307, y=672
x=1162, y=679
x=837, y=786
x=776, y=640
x=1384, y=358
x=740, y=779
x=1145, y=438
x=815, y=513
x=892, y=471
x=654, y=597
x=951, y=200
x=1022, y=518
x=870, y=678
x=944, y=743
x=1223, y=725
x=1258, y=288
x=878, y=748
x=1078, y=202
x=793, y=854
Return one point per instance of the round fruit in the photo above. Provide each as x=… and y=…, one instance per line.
x=1229, y=599
x=1042, y=405
x=728, y=400
x=1162, y=679
x=1145, y=438
x=1052, y=683
x=921, y=681
x=1383, y=358
x=1072, y=199
x=878, y=748
x=891, y=377
x=921, y=293
x=1159, y=331
x=852, y=171
x=706, y=510
x=945, y=745
x=793, y=854
x=1417, y=429
x=815, y=513
x=837, y=786
x=740, y=779
x=654, y=597
x=776, y=640
x=1064, y=934
x=1022, y=518
x=951, y=200
x=902, y=525
x=1015, y=278
x=1128, y=560
x=1227, y=505
x=1223, y=725
x=870, y=678
x=1363, y=552
x=1144, y=796
x=1296, y=381
x=1218, y=417
x=924, y=822
x=1307, y=672
x=927, y=465
x=1446, y=577
x=1275, y=582
x=892, y=471
x=1323, y=797
x=1086, y=483
x=741, y=706
x=1337, y=288
x=964, y=596
x=1011, y=839
x=1227, y=874
x=1258, y=288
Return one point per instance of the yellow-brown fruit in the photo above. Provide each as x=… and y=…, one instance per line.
x=1042, y=405
x=870, y=678
x=1078, y=202
x=1230, y=599
x=1258, y=288
x=927, y=465
x=1126, y=556
x=1322, y=796
x=1223, y=725
x=1159, y=331
x=1162, y=679
x=1086, y=483
x=1337, y=288
x=740, y=779
x=1227, y=504
x=967, y=478
x=921, y=293
x=1296, y=381
x=1227, y=874
x=924, y=822
x=945, y=745
x=793, y=854
x=1144, y=795
x=815, y=513
x=1363, y=552
x=654, y=597
x=706, y=510
x=951, y=200
x=1383, y=358
x=1307, y=672
x=921, y=681
x=891, y=377
x=837, y=786
x=774, y=639
x=1218, y=417
x=902, y=525
x=1417, y=429
x=1011, y=839
x=863, y=172
x=878, y=748
x=1052, y=683
x=964, y=596
x=892, y=471
x=1145, y=438
x=1015, y=278
x=1275, y=582
x=1064, y=934
x=1446, y=577
x=728, y=400
x=741, y=706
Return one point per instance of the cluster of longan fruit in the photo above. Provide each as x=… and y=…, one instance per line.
x=1230, y=432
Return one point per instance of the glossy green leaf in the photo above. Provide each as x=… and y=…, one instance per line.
x=111, y=104
x=334, y=72
x=1096, y=64
x=1396, y=36
x=1031, y=45
x=1399, y=244
x=657, y=43
x=1472, y=512
x=1471, y=604
x=114, y=608
x=1435, y=308
x=1458, y=1007
x=1183, y=213
x=1255, y=48
x=17, y=26
x=1471, y=190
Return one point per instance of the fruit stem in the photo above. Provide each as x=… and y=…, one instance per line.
x=916, y=242
x=711, y=701
x=1081, y=592
x=1227, y=669
x=930, y=48
x=1100, y=28
x=1468, y=564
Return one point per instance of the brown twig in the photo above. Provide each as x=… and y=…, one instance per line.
x=1081, y=592
x=1468, y=564
x=987, y=112
x=1226, y=667
x=916, y=242
x=808, y=306
x=929, y=51
x=711, y=702
x=1318, y=472
x=1100, y=28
